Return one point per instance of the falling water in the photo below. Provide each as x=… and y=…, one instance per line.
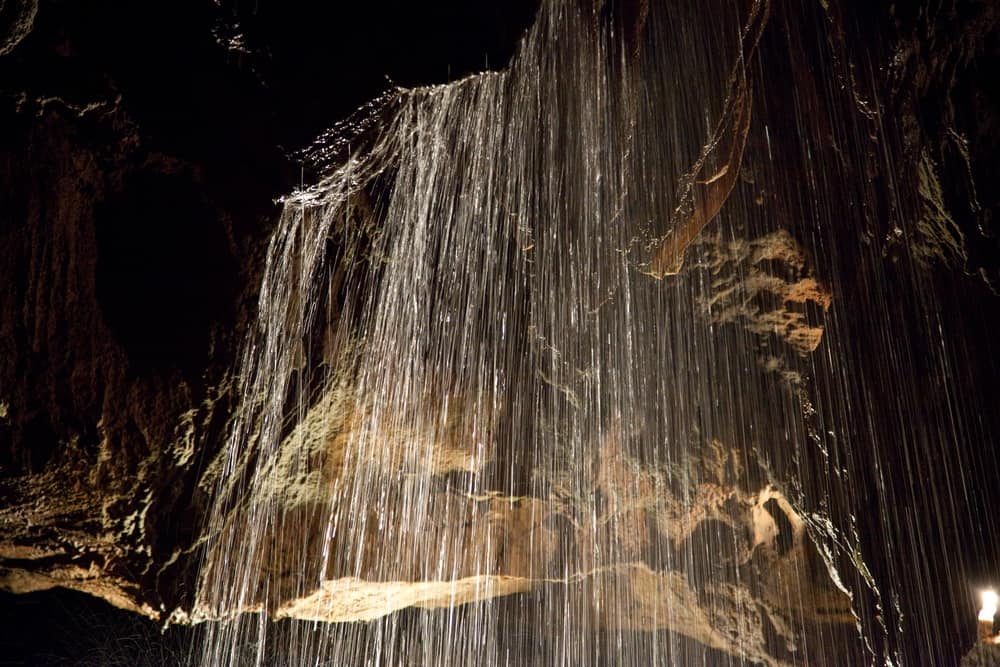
x=510, y=400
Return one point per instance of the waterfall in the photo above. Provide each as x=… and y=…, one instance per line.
x=539, y=376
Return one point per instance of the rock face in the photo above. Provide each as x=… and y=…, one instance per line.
x=765, y=285
x=772, y=587
x=138, y=189
x=17, y=17
x=107, y=398
x=949, y=127
x=136, y=195
x=982, y=655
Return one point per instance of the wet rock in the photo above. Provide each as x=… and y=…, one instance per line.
x=141, y=150
x=767, y=286
x=982, y=655
x=126, y=191
x=466, y=548
x=17, y=17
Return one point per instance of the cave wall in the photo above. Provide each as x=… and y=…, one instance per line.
x=141, y=151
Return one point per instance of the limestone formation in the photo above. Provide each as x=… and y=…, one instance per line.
x=767, y=286
x=16, y=20
x=139, y=166
x=490, y=545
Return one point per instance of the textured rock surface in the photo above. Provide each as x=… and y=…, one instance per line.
x=947, y=103
x=982, y=655
x=139, y=160
x=17, y=17
x=765, y=285
x=104, y=412
x=788, y=591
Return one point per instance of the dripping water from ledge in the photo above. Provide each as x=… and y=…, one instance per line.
x=552, y=367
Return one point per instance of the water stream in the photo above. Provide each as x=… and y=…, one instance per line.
x=475, y=429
